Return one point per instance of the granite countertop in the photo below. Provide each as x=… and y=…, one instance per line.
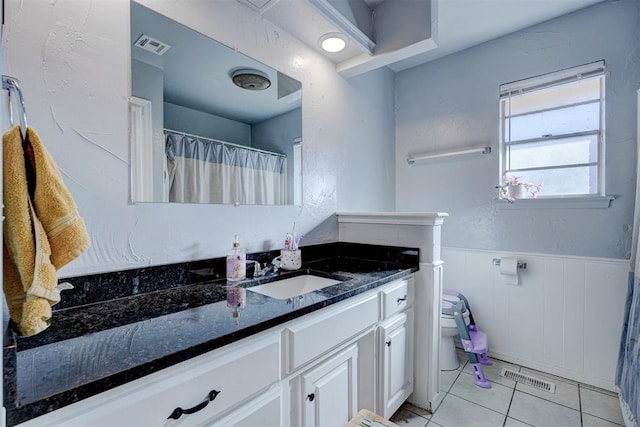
x=93, y=347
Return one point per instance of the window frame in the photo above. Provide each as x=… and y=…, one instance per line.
x=522, y=87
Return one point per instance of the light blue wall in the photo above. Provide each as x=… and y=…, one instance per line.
x=278, y=134
x=368, y=180
x=453, y=103
x=199, y=123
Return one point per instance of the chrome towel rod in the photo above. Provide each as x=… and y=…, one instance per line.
x=412, y=159
x=11, y=84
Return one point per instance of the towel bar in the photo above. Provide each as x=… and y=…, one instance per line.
x=11, y=84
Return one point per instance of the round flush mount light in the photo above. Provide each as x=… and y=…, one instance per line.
x=333, y=42
x=251, y=79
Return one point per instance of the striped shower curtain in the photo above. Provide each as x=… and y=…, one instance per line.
x=628, y=371
x=207, y=171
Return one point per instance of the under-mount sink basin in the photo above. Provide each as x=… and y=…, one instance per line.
x=293, y=286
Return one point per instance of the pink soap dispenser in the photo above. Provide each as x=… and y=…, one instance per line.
x=236, y=262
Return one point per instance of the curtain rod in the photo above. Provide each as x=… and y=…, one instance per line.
x=412, y=159
x=223, y=142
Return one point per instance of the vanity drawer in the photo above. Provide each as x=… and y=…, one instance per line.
x=237, y=375
x=310, y=338
x=397, y=297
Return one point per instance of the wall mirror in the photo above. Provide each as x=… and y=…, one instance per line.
x=209, y=124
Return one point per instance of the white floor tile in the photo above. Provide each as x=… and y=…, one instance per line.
x=566, y=391
x=601, y=405
x=405, y=418
x=591, y=421
x=497, y=398
x=465, y=404
x=539, y=412
x=457, y=412
x=462, y=357
x=512, y=422
x=447, y=378
x=492, y=372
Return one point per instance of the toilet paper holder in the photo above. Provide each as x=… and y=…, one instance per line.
x=521, y=265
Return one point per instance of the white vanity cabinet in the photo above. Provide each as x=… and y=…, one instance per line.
x=330, y=390
x=324, y=357
x=265, y=411
x=317, y=370
x=308, y=338
x=396, y=362
x=223, y=379
x=396, y=335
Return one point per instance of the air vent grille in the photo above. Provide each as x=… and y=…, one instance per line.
x=152, y=45
x=529, y=380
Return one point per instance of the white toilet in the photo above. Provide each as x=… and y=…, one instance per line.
x=449, y=330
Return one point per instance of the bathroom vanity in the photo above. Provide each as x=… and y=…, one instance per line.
x=310, y=365
x=185, y=355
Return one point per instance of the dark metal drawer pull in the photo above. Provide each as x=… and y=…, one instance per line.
x=388, y=343
x=177, y=413
x=310, y=397
x=404, y=298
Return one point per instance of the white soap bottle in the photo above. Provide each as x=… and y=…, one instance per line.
x=236, y=262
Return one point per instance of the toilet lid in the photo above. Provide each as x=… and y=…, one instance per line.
x=450, y=300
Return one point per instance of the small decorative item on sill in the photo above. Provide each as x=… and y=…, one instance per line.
x=513, y=189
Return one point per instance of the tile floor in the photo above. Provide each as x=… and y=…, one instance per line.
x=511, y=404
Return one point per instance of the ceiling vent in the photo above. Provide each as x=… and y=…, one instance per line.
x=251, y=79
x=151, y=44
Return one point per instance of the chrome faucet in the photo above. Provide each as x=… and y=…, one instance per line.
x=258, y=271
x=269, y=267
x=275, y=264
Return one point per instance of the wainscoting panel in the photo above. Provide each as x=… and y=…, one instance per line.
x=564, y=317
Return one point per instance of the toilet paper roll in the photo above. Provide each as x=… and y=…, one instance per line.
x=509, y=270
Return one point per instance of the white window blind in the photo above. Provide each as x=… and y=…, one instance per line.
x=552, y=131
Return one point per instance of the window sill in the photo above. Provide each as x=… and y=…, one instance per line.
x=587, y=202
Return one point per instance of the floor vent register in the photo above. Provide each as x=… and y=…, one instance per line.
x=529, y=380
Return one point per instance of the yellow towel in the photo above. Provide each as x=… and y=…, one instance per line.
x=29, y=275
x=55, y=207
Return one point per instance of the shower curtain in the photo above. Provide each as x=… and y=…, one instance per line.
x=628, y=371
x=202, y=170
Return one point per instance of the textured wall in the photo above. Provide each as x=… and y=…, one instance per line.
x=72, y=58
x=188, y=120
x=453, y=103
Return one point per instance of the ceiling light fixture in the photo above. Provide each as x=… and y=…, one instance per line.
x=333, y=42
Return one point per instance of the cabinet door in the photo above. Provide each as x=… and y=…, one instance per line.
x=329, y=391
x=396, y=362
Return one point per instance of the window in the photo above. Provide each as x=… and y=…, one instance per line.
x=552, y=131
